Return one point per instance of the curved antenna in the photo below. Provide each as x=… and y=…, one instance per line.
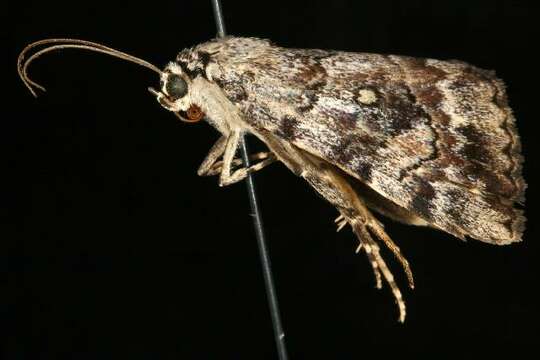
x=59, y=44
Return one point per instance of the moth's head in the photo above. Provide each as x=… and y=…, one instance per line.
x=175, y=86
x=175, y=94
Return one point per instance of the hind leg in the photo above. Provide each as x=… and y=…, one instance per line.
x=328, y=182
x=331, y=185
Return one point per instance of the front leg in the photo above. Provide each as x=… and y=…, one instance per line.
x=212, y=166
x=227, y=177
x=213, y=155
x=264, y=158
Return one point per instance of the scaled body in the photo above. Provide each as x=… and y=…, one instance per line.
x=423, y=141
x=435, y=138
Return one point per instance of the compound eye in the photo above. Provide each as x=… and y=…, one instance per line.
x=175, y=86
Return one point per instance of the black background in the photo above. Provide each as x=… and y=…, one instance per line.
x=114, y=248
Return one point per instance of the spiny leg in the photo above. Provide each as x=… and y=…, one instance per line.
x=359, y=217
x=328, y=182
x=211, y=166
x=377, y=228
x=341, y=222
x=227, y=175
x=379, y=232
x=391, y=282
x=215, y=152
x=368, y=248
x=241, y=174
x=337, y=190
x=265, y=157
x=373, y=253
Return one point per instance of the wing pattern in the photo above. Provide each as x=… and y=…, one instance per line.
x=435, y=137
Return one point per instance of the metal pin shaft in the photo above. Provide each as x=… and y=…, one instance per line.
x=279, y=334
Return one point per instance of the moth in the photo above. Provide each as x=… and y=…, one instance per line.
x=421, y=141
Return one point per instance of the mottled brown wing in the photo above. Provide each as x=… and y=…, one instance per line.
x=435, y=137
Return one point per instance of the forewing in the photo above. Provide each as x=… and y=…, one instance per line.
x=435, y=137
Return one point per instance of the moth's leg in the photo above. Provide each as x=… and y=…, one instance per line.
x=216, y=151
x=365, y=243
x=334, y=187
x=360, y=218
x=212, y=166
x=372, y=250
x=378, y=229
x=282, y=151
x=227, y=176
x=341, y=222
x=217, y=166
x=241, y=174
x=238, y=162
